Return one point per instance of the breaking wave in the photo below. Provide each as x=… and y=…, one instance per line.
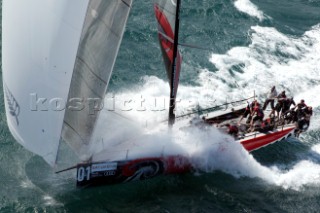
x=272, y=58
x=230, y=157
x=246, y=6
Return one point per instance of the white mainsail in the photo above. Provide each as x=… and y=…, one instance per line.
x=53, y=51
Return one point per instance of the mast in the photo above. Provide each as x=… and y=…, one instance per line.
x=174, y=67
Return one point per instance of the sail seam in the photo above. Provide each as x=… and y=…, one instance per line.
x=108, y=26
x=84, y=80
x=80, y=59
x=74, y=130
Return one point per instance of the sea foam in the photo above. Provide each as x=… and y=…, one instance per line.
x=246, y=6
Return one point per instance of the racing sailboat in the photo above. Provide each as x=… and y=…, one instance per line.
x=261, y=136
x=55, y=78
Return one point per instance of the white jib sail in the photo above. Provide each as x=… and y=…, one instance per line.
x=40, y=52
x=40, y=42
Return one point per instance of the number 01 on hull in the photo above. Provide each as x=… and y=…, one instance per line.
x=101, y=173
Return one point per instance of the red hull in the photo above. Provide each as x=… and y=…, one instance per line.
x=102, y=173
x=262, y=140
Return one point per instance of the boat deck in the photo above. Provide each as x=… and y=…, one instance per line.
x=256, y=138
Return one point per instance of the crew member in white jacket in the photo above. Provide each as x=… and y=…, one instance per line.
x=271, y=96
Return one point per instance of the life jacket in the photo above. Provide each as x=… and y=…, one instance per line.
x=259, y=111
x=249, y=106
x=288, y=103
x=233, y=129
x=282, y=98
x=301, y=105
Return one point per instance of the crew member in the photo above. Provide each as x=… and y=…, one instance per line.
x=248, y=111
x=281, y=99
x=267, y=125
x=232, y=130
x=257, y=115
x=287, y=104
x=308, y=114
x=301, y=105
x=271, y=96
x=300, y=109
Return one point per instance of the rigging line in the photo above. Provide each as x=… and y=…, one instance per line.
x=195, y=47
x=122, y=116
x=67, y=169
x=166, y=37
x=185, y=44
x=211, y=108
x=126, y=3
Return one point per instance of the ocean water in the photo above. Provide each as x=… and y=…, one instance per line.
x=252, y=45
